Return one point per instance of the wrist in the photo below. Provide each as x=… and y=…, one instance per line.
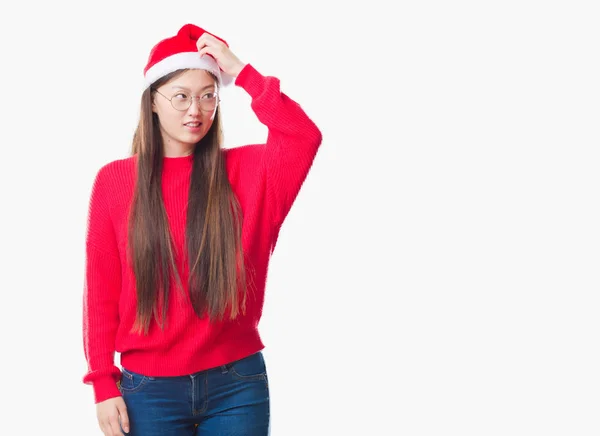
x=238, y=69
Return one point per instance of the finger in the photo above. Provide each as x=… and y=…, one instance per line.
x=207, y=50
x=114, y=426
x=104, y=427
x=124, y=418
x=203, y=42
x=208, y=40
x=200, y=44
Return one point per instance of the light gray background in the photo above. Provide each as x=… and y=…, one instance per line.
x=438, y=273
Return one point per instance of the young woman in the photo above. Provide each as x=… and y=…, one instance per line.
x=177, y=248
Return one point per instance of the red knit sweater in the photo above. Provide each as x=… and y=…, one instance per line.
x=266, y=179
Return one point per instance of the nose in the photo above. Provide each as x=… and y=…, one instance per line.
x=194, y=107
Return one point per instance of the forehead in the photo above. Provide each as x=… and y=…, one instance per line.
x=191, y=80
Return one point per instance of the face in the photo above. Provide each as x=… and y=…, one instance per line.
x=182, y=129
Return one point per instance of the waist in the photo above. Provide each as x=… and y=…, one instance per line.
x=192, y=353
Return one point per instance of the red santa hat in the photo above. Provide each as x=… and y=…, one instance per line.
x=180, y=51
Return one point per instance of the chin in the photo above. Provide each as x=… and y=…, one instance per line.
x=192, y=139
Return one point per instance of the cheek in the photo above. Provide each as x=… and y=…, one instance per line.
x=208, y=118
x=169, y=121
x=207, y=123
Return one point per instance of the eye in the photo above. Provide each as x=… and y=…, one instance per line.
x=180, y=96
x=209, y=95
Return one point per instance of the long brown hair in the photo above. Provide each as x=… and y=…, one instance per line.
x=217, y=274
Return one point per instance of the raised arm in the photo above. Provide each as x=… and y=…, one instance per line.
x=292, y=142
x=293, y=139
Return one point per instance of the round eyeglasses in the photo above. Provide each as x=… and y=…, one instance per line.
x=182, y=102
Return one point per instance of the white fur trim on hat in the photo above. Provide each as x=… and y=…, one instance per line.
x=185, y=60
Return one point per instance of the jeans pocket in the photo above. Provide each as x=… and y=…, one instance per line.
x=249, y=368
x=131, y=381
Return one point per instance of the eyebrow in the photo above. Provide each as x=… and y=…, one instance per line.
x=188, y=89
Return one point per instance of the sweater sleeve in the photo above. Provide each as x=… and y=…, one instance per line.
x=292, y=142
x=101, y=294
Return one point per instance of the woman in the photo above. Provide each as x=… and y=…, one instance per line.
x=178, y=244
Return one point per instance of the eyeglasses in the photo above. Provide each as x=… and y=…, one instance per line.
x=182, y=102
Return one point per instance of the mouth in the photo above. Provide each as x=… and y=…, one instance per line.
x=194, y=127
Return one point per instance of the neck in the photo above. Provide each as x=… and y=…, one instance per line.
x=184, y=153
x=178, y=150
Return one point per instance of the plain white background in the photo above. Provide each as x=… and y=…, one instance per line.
x=439, y=271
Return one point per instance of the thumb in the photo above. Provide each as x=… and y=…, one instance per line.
x=123, y=415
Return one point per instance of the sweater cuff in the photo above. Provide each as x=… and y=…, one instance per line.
x=105, y=388
x=251, y=80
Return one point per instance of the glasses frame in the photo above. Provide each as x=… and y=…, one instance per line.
x=191, y=99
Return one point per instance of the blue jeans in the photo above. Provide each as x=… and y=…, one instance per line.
x=232, y=400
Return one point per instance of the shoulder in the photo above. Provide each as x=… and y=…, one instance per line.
x=116, y=167
x=115, y=172
x=243, y=153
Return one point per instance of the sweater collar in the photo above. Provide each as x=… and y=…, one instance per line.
x=177, y=163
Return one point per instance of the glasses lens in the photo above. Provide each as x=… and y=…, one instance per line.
x=181, y=104
x=208, y=103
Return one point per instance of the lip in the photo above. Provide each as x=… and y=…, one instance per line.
x=193, y=129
